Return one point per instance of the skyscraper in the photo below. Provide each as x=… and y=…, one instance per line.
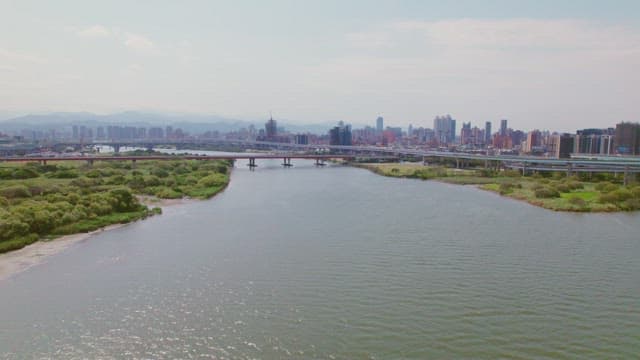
x=627, y=138
x=503, y=127
x=271, y=129
x=340, y=135
x=379, y=124
x=445, y=129
x=487, y=133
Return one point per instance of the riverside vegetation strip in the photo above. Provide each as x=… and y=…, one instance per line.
x=63, y=197
x=555, y=191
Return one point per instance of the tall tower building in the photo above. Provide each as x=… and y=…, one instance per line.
x=444, y=128
x=487, y=133
x=271, y=129
x=379, y=124
x=503, y=127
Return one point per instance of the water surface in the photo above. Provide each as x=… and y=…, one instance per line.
x=339, y=263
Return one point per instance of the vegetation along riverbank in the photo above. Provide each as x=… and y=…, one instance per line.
x=554, y=191
x=43, y=202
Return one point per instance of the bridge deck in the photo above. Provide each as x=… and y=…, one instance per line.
x=190, y=157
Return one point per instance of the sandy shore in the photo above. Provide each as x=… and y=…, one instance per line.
x=152, y=201
x=14, y=262
x=17, y=261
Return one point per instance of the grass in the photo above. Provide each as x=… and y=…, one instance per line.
x=560, y=193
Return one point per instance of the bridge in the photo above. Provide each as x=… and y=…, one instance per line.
x=319, y=158
x=625, y=165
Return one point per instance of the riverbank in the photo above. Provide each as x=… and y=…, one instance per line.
x=47, y=201
x=36, y=253
x=601, y=193
x=14, y=262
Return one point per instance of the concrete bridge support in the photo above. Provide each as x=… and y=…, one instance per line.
x=252, y=163
x=320, y=162
x=287, y=162
x=116, y=148
x=569, y=169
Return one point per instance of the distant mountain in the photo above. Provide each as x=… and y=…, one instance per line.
x=192, y=123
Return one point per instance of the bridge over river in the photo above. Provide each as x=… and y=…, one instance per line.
x=319, y=158
x=611, y=164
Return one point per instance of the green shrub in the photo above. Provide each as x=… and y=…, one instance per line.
x=575, y=185
x=630, y=204
x=167, y=193
x=505, y=188
x=578, y=201
x=547, y=192
x=563, y=188
x=159, y=172
x=606, y=186
x=4, y=201
x=213, y=180
x=15, y=192
x=17, y=243
x=25, y=173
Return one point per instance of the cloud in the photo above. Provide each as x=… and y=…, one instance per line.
x=374, y=39
x=542, y=72
x=138, y=42
x=19, y=57
x=95, y=31
x=565, y=34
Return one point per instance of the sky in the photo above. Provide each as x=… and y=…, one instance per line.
x=558, y=65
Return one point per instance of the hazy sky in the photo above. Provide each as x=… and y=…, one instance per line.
x=540, y=64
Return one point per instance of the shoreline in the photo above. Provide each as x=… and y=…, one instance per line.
x=515, y=188
x=15, y=262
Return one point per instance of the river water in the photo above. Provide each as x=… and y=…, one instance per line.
x=336, y=263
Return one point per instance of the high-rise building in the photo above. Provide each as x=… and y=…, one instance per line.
x=271, y=129
x=379, y=124
x=301, y=139
x=561, y=146
x=487, y=133
x=465, y=133
x=100, y=133
x=627, y=138
x=534, y=140
x=156, y=133
x=594, y=141
x=445, y=129
x=340, y=135
x=503, y=127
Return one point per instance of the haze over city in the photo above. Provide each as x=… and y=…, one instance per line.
x=539, y=64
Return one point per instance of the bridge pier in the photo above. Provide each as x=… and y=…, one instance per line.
x=524, y=168
x=252, y=163
x=90, y=162
x=116, y=148
x=319, y=162
x=133, y=163
x=287, y=162
x=569, y=169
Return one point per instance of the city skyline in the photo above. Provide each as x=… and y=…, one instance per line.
x=540, y=64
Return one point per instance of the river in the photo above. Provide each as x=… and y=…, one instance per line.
x=336, y=263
